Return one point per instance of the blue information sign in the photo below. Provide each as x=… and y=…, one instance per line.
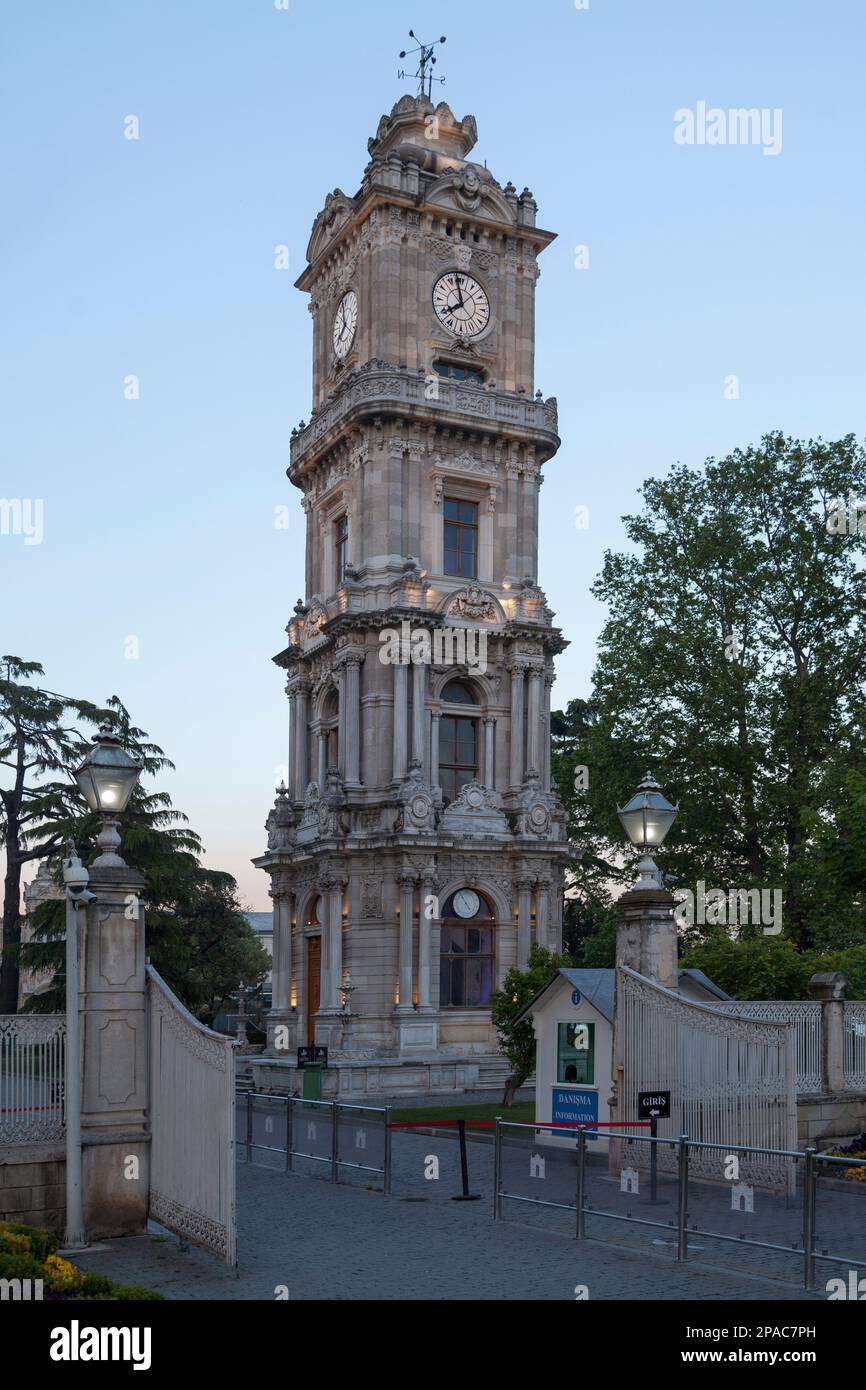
x=575, y=996
x=578, y=1107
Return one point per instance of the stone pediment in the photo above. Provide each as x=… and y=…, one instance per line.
x=333, y=217
x=472, y=189
x=475, y=811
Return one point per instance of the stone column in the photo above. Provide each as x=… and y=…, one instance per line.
x=646, y=938
x=517, y=670
x=542, y=913
x=406, y=880
x=323, y=761
x=428, y=912
x=486, y=526
x=419, y=716
x=341, y=735
x=293, y=747
x=434, y=747
x=282, y=973
x=489, y=752
x=829, y=988
x=353, y=722
x=401, y=720
x=524, y=921
x=336, y=945
x=114, y=1099
x=545, y=731
x=302, y=737
x=326, y=890
x=534, y=720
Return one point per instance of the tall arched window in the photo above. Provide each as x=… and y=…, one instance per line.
x=466, y=951
x=458, y=739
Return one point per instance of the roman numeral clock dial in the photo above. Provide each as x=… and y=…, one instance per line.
x=461, y=304
x=345, y=324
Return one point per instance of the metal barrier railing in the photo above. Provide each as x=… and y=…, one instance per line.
x=810, y=1159
x=246, y=1103
x=32, y=1065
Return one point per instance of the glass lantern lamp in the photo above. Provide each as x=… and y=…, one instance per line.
x=646, y=820
x=107, y=778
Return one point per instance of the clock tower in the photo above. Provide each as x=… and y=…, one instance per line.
x=419, y=848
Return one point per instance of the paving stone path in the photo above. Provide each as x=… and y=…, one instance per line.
x=326, y=1241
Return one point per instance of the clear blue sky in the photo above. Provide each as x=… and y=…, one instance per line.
x=155, y=257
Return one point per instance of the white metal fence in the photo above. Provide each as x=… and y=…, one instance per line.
x=805, y=1015
x=32, y=1061
x=854, y=1046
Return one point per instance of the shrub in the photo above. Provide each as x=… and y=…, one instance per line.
x=28, y=1252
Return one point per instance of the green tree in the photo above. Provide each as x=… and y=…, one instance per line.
x=40, y=742
x=589, y=916
x=771, y=967
x=517, y=1040
x=733, y=663
x=196, y=934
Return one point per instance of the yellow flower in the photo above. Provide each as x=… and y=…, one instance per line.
x=61, y=1274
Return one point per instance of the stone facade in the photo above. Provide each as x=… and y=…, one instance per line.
x=366, y=847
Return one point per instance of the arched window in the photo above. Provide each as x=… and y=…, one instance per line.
x=466, y=951
x=314, y=913
x=458, y=740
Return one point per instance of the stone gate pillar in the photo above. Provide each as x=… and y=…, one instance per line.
x=114, y=1101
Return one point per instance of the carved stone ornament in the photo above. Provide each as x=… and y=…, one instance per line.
x=474, y=812
x=417, y=803
x=475, y=604
x=315, y=620
x=371, y=898
x=281, y=821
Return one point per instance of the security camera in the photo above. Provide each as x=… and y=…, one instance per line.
x=82, y=895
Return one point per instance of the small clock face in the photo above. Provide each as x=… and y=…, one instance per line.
x=461, y=304
x=466, y=903
x=345, y=324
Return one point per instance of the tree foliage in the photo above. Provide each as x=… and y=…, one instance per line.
x=196, y=934
x=733, y=663
x=517, y=1040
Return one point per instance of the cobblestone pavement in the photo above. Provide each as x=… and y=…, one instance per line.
x=326, y=1241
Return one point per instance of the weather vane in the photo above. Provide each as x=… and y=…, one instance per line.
x=426, y=64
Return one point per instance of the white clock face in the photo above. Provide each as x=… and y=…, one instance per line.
x=345, y=324
x=466, y=903
x=461, y=304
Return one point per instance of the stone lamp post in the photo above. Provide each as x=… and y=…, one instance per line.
x=109, y=1078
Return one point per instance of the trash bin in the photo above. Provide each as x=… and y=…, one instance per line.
x=312, y=1081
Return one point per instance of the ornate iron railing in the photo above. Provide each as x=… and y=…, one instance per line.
x=32, y=1063
x=854, y=1046
x=805, y=1015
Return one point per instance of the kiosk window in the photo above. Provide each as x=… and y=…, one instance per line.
x=575, y=1053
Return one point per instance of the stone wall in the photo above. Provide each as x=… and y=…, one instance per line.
x=841, y=1115
x=33, y=1185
